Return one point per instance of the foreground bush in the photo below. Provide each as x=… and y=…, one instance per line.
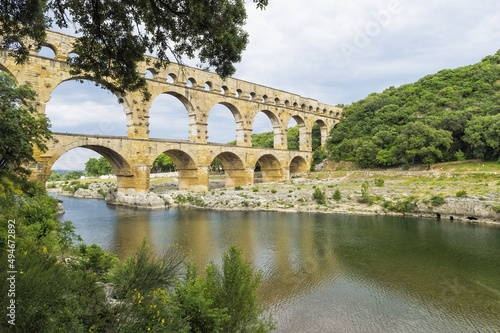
x=147, y=271
x=226, y=300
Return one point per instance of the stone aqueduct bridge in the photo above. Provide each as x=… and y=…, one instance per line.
x=132, y=156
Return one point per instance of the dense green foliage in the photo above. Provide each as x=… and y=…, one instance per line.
x=113, y=36
x=21, y=126
x=319, y=196
x=337, y=196
x=451, y=115
x=163, y=163
x=56, y=176
x=98, y=167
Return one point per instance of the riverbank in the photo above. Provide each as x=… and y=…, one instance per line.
x=462, y=196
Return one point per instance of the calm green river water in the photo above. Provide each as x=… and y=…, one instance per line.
x=330, y=273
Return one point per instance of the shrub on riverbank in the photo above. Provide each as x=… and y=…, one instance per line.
x=146, y=271
x=403, y=205
x=226, y=300
x=319, y=196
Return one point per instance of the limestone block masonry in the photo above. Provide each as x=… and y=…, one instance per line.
x=133, y=156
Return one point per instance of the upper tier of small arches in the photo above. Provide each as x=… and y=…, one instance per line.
x=239, y=89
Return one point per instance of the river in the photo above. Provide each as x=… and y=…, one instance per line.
x=325, y=272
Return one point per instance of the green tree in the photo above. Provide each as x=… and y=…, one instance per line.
x=337, y=196
x=73, y=175
x=98, y=167
x=226, y=300
x=366, y=154
x=265, y=140
x=421, y=143
x=21, y=127
x=319, y=196
x=55, y=176
x=113, y=36
x=483, y=136
x=91, y=167
x=104, y=166
x=234, y=287
x=293, y=138
x=315, y=136
x=319, y=155
x=216, y=165
x=163, y=163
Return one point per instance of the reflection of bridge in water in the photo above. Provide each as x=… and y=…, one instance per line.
x=199, y=91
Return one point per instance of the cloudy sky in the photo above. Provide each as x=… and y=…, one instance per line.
x=333, y=51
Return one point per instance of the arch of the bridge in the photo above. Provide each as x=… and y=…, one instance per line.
x=298, y=164
x=278, y=128
x=66, y=78
x=238, y=119
x=303, y=130
x=44, y=94
x=235, y=171
x=55, y=49
x=271, y=168
x=187, y=168
x=323, y=127
x=121, y=167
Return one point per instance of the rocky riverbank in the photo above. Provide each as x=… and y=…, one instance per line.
x=85, y=191
x=473, y=197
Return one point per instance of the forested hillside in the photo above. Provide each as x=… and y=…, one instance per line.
x=451, y=115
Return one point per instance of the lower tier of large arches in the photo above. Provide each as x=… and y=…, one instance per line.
x=132, y=160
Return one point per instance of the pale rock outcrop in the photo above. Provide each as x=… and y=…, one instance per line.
x=60, y=209
x=87, y=194
x=466, y=208
x=148, y=200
